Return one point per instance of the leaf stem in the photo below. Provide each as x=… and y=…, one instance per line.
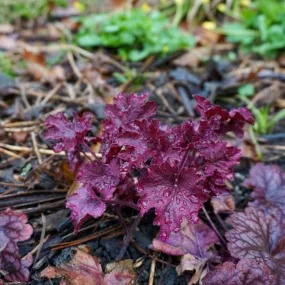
x=129, y=237
x=213, y=226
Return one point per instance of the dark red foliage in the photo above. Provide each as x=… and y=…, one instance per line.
x=260, y=237
x=84, y=204
x=14, y=228
x=68, y=136
x=178, y=168
x=246, y=272
x=268, y=182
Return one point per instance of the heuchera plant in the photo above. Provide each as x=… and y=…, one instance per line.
x=145, y=164
x=14, y=228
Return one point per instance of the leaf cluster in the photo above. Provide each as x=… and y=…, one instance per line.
x=134, y=33
x=144, y=164
x=261, y=28
x=256, y=250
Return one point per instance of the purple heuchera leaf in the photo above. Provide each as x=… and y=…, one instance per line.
x=193, y=238
x=260, y=237
x=84, y=204
x=174, y=193
x=14, y=228
x=127, y=109
x=268, y=182
x=245, y=272
x=68, y=136
x=102, y=177
x=228, y=121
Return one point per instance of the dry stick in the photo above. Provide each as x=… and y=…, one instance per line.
x=51, y=94
x=213, y=226
x=21, y=124
x=10, y=153
x=88, y=238
x=41, y=239
x=129, y=237
x=152, y=271
x=41, y=150
x=36, y=148
x=73, y=65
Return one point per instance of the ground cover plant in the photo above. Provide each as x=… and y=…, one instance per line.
x=260, y=28
x=136, y=34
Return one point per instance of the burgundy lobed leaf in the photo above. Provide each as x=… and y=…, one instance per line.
x=68, y=136
x=268, y=183
x=245, y=272
x=127, y=109
x=174, y=193
x=260, y=237
x=229, y=121
x=14, y=228
x=84, y=204
x=220, y=157
x=99, y=176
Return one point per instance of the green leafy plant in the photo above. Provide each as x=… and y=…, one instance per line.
x=12, y=10
x=264, y=121
x=6, y=65
x=261, y=28
x=135, y=34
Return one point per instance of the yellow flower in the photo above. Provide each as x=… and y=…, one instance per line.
x=222, y=7
x=165, y=49
x=209, y=25
x=79, y=6
x=146, y=8
x=179, y=2
x=245, y=3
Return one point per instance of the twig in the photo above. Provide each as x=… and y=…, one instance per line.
x=213, y=226
x=41, y=239
x=41, y=150
x=21, y=124
x=51, y=93
x=10, y=153
x=152, y=271
x=73, y=65
x=36, y=148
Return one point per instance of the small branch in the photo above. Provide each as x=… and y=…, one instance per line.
x=129, y=237
x=213, y=226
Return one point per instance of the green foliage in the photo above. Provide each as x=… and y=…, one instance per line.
x=12, y=10
x=6, y=65
x=135, y=34
x=261, y=28
x=264, y=122
x=246, y=90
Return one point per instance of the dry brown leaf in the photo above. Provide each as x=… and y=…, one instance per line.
x=193, y=57
x=85, y=269
x=223, y=204
x=120, y=273
x=268, y=95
